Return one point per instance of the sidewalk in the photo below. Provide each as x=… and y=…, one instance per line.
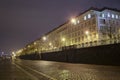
x=9, y=71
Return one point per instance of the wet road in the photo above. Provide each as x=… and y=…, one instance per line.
x=66, y=71
x=9, y=71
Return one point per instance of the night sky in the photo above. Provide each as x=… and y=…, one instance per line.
x=23, y=21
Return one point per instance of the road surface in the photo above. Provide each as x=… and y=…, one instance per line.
x=48, y=70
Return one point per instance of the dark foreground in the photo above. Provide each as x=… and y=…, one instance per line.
x=47, y=70
x=8, y=71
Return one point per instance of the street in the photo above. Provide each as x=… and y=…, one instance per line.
x=68, y=71
x=9, y=71
x=48, y=70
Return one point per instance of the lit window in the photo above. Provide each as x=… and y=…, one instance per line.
x=78, y=21
x=89, y=15
x=103, y=15
x=113, y=16
x=85, y=18
x=116, y=16
x=108, y=14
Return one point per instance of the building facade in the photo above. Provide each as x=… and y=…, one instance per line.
x=94, y=27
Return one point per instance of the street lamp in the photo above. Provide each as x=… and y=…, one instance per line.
x=63, y=40
x=73, y=21
x=50, y=44
x=28, y=46
x=35, y=43
x=86, y=32
x=44, y=38
x=13, y=55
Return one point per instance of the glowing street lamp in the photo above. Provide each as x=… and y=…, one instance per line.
x=28, y=46
x=13, y=53
x=44, y=38
x=73, y=20
x=63, y=39
x=50, y=44
x=86, y=32
x=35, y=43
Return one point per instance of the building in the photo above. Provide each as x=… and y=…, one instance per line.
x=93, y=27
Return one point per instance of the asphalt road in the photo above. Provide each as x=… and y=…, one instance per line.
x=48, y=70
x=10, y=71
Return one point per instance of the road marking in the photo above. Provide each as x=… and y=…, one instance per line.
x=33, y=77
x=49, y=77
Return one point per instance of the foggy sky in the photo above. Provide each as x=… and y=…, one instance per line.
x=23, y=21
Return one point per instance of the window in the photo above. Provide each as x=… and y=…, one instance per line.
x=113, y=16
x=103, y=15
x=78, y=21
x=85, y=18
x=89, y=15
x=108, y=15
x=116, y=16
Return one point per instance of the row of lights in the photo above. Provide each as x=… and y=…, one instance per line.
x=73, y=21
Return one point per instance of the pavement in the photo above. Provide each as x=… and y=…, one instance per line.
x=9, y=71
x=49, y=70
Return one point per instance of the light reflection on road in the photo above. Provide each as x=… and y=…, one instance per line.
x=67, y=71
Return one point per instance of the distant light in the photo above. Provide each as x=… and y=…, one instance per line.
x=86, y=32
x=35, y=49
x=50, y=43
x=29, y=46
x=73, y=20
x=63, y=39
x=78, y=21
x=20, y=51
x=13, y=53
x=44, y=38
x=34, y=43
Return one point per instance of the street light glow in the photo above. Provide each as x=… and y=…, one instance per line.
x=73, y=20
x=86, y=32
x=50, y=43
x=29, y=46
x=44, y=38
x=63, y=39
x=20, y=51
x=13, y=53
x=34, y=43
